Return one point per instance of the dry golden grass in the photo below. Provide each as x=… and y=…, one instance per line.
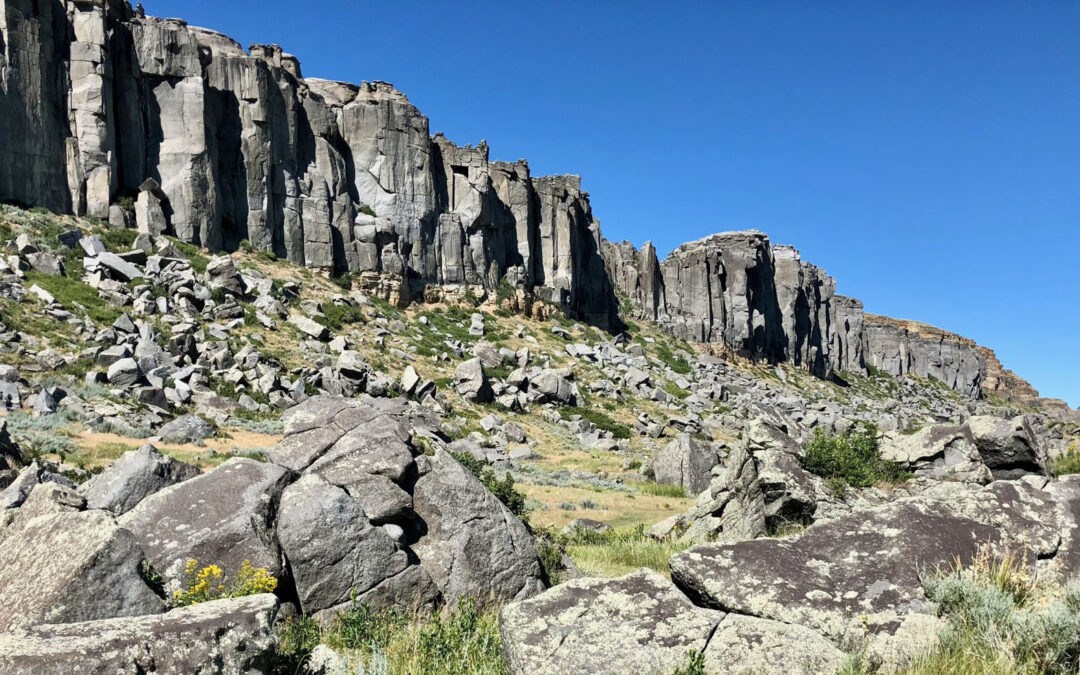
x=618, y=509
x=100, y=449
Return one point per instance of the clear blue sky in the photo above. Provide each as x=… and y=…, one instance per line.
x=926, y=154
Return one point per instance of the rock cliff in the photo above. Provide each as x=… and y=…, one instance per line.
x=223, y=145
x=215, y=144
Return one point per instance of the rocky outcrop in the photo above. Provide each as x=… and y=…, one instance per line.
x=911, y=348
x=373, y=516
x=224, y=144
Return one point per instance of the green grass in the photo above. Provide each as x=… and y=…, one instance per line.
x=193, y=254
x=465, y=641
x=852, y=458
x=70, y=292
x=658, y=490
x=339, y=316
x=618, y=552
x=602, y=421
x=675, y=390
x=119, y=241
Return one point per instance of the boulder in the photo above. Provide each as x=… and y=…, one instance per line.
x=234, y=635
x=221, y=517
x=1010, y=448
x=125, y=373
x=11, y=456
x=136, y=475
x=731, y=509
x=222, y=275
x=749, y=645
x=638, y=623
x=845, y=578
x=186, y=429
x=552, y=385
x=60, y=567
x=687, y=462
x=333, y=551
x=473, y=545
x=941, y=452
x=471, y=382
x=310, y=327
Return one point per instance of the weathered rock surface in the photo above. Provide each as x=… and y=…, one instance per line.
x=332, y=549
x=136, y=475
x=223, y=636
x=222, y=517
x=638, y=623
x=58, y=566
x=686, y=462
x=472, y=545
x=942, y=452
x=842, y=578
x=1010, y=448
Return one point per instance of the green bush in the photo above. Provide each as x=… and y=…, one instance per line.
x=851, y=457
x=602, y=421
x=339, y=316
x=1068, y=462
x=502, y=488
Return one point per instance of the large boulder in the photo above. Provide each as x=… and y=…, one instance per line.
x=554, y=386
x=472, y=544
x=334, y=552
x=846, y=578
x=941, y=452
x=471, y=382
x=221, y=517
x=687, y=462
x=221, y=275
x=59, y=566
x=1009, y=447
x=748, y=645
x=136, y=475
x=223, y=636
x=639, y=623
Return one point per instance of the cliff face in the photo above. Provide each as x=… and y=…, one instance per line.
x=222, y=144
x=764, y=302
x=239, y=145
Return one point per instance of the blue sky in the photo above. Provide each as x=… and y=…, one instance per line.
x=925, y=154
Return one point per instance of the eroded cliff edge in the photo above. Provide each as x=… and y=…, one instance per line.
x=216, y=145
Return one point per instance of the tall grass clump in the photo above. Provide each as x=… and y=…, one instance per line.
x=852, y=459
x=1001, y=619
x=462, y=641
x=618, y=552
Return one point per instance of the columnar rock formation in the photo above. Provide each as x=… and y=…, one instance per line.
x=220, y=145
x=762, y=301
x=98, y=102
